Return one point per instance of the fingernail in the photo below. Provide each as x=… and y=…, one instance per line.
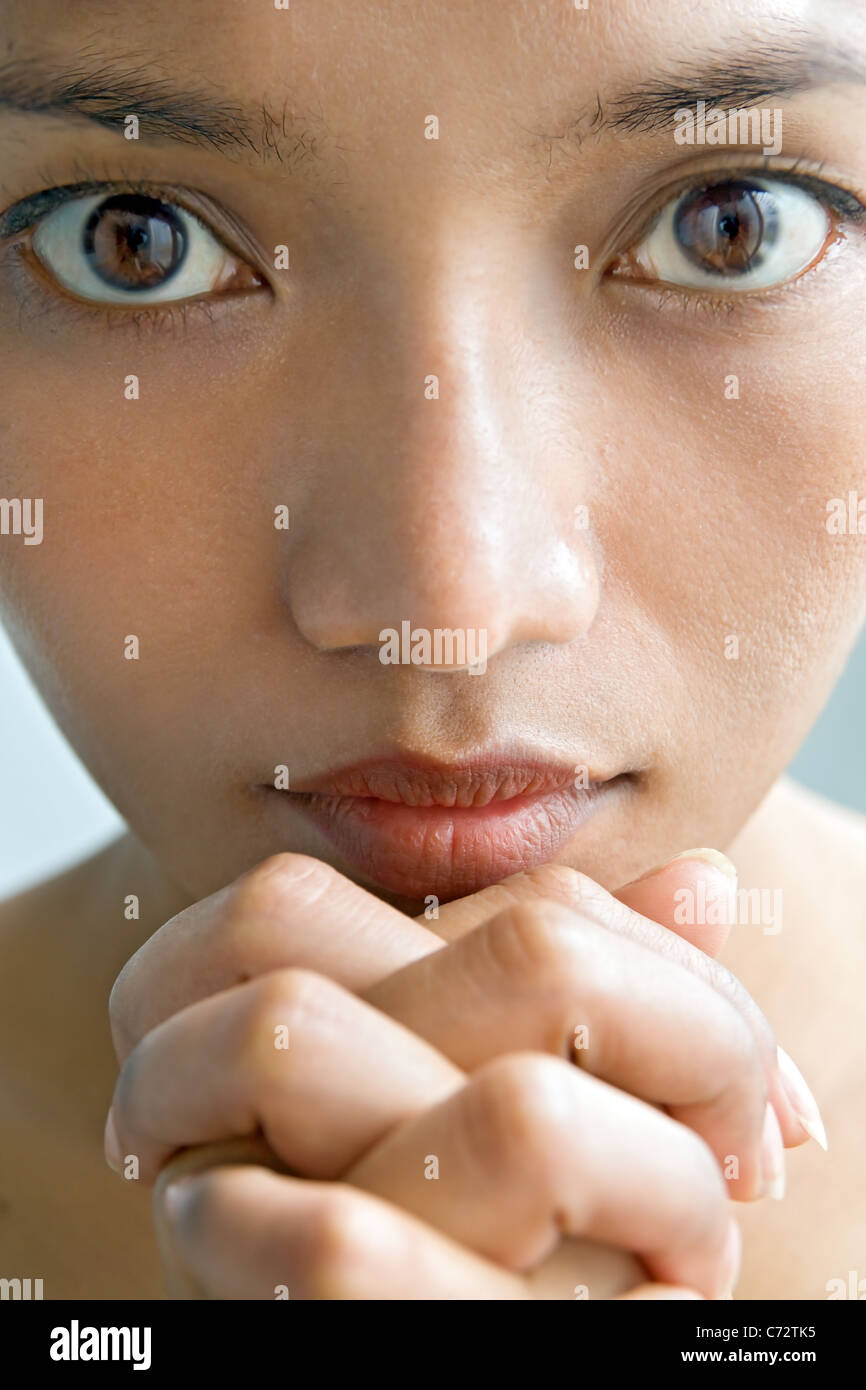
x=113, y=1156
x=803, y=1102
x=703, y=856
x=730, y=1266
x=710, y=856
x=772, y=1156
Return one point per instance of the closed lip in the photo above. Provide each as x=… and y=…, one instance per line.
x=419, y=827
x=467, y=784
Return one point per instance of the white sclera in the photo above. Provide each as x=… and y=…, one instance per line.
x=59, y=244
x=803, y=227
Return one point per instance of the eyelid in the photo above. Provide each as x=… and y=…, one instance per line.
x=841, y=201
x=27, y=213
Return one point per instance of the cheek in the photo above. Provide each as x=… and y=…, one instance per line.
x=153, y=531
x=158, y=525
x=713, y=520
x=145, y=498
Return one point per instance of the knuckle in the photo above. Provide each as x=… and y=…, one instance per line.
x=518, y=1108
x=241, y=930
x=343, y=1239
x=548, y=951
x=265, y=898
x=730, y=988
x=583, y=895
x=281, y=881
x=282, y=999
x=534, y=939
x=563, y=884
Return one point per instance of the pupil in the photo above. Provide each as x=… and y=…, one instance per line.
x=729, y=226
x=134, y=242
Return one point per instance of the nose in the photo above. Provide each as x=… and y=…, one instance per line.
x=449, y=500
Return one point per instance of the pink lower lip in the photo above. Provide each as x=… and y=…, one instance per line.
x=448, y=851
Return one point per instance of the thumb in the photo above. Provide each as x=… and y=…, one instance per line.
x=694, y=895
x=179, y=1282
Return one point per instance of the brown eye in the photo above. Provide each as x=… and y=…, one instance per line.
x=134, y=242
x=723, y=229
x=136, y=249
x=729, y=236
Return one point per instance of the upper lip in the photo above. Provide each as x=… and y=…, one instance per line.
x=420, y=782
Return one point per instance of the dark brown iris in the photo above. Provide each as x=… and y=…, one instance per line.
x=134, y=242
x=722, y=229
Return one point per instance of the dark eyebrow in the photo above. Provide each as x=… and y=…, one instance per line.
x=747, y=79
x=107, y=94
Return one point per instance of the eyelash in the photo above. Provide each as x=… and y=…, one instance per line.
x=171, y=315
x=841, y=202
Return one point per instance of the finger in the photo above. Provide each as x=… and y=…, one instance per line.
x=693, y=895
x=543, y=978
x=219, y=1264
x=245, y=1233
x=294, y=909
x=180, y=1281
x=560, y=1153
x=701, y=878
x=580, y=1269
x=548, y=882
x=557, y=883
x=290, y=910
x=619, y=917
x=575, y=1269
x=657, y=1291
x=263, y=1056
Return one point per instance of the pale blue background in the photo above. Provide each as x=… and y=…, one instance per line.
x=51, y=813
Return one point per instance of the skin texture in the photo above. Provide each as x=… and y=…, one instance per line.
x=242, y=627
x=520, y=1131
x=558, y=389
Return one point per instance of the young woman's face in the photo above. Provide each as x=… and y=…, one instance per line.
x=613, y=466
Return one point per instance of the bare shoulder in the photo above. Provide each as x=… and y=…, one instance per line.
x=809, y=978
x=835, y=823
x=805, y=842
x=63, y=914
x=62, y=896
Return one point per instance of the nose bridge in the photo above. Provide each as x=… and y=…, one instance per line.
x=455, y=522
x=458, y=331
x=461, y=424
